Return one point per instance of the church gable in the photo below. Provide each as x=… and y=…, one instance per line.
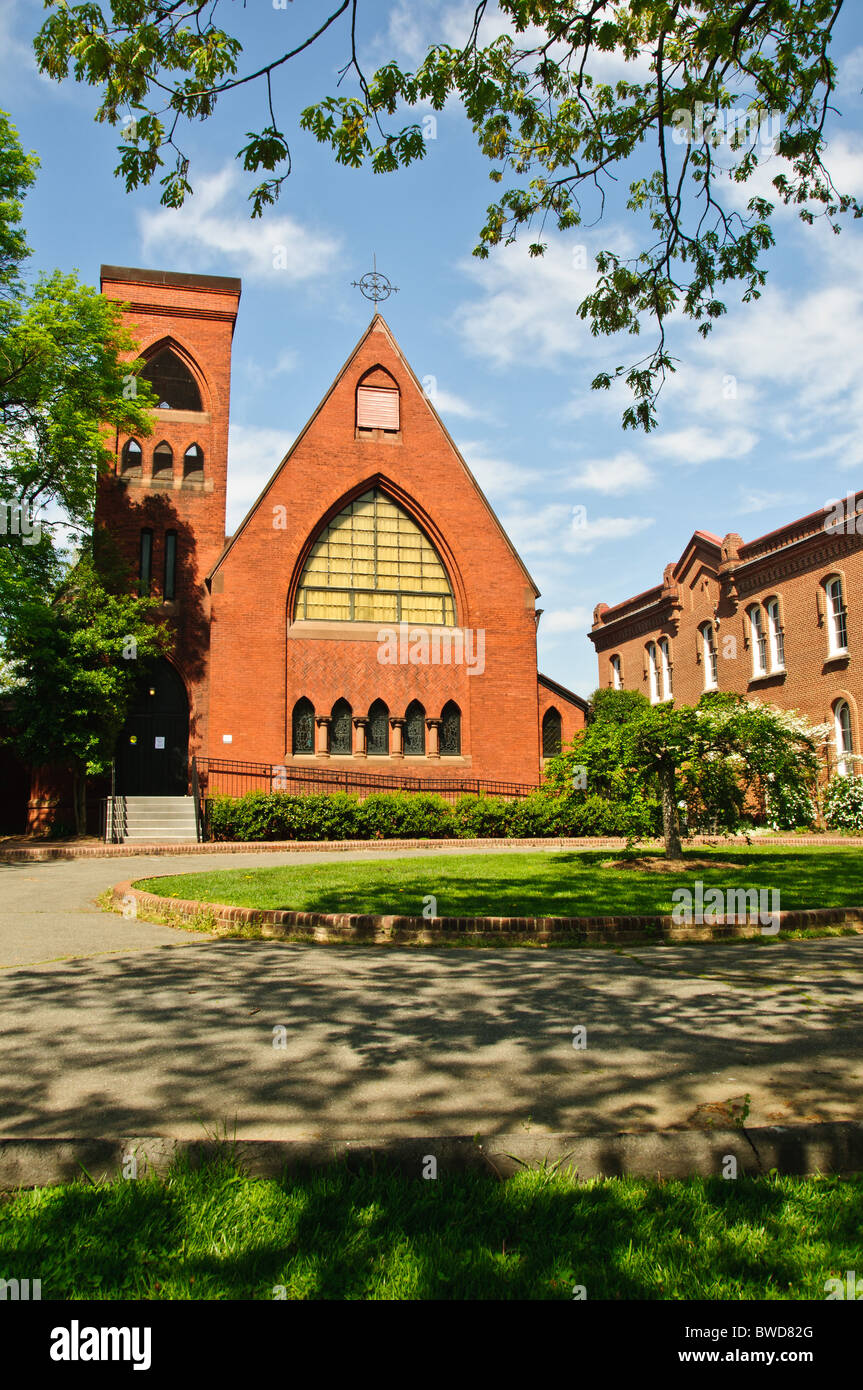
x=376, y=412
x=373, y=527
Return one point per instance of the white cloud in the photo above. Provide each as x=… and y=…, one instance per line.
x=557, y=529
x=258, y=373
x=849, y=77
x=566, y=620
x=254, y=453
x=496, y=476
x=528, y=312
x=695, y=445
x=586, y=536
x=448, y=403
x=214, y=227
x=623, y=472
x=761, y=500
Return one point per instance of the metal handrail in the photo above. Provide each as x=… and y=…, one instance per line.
x=196, y=796
x=116, y=838
x=276, y=777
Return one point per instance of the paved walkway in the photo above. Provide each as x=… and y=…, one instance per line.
x=119, y=1026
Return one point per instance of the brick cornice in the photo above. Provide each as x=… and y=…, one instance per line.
x=773, y=571
x=181, y=312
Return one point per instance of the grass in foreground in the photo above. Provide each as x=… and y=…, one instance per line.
x=215, y=1234
x=544, y=884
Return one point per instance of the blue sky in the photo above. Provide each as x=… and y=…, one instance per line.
x=761, y=423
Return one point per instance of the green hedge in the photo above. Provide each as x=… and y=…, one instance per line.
x=413, y=815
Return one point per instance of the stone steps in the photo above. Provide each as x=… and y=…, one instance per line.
x=156, y=819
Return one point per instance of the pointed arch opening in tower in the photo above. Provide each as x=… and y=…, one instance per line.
x=372, y=563
x=172, y=381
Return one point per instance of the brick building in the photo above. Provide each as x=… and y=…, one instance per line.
x=777, y=619
x=369, y=613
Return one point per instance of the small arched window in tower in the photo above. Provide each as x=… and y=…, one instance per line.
x=193, y=463
x=163, y=461
x=552, y=733
x=379, y=730
x=303, y=727
x=171, y=380
x=131, y=459
x=450, y=730
x=378, y=402
x=340, y=729
x=415, y=729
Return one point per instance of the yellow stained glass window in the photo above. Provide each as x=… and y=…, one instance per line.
x=373, y=564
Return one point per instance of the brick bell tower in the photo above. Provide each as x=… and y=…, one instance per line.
x=164, y=503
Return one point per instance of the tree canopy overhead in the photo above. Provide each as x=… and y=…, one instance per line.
x=702, y=92
x=63, y=380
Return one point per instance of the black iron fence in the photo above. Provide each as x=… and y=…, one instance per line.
x=225, y=777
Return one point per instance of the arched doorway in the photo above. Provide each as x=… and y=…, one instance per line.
x=152, y=756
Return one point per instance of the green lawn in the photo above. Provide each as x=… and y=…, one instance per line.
x=546, y=884
x=214, y=1233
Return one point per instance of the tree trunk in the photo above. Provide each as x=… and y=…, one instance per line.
x=670, y=818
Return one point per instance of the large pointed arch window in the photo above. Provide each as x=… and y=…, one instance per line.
x=173, y=383
x=373, y=564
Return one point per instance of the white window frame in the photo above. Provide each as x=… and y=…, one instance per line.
x=844, y=738
x=709, y=657
x=775, y=636
x=665, y=660
x=837, y=616
x=653, y=672
x=758, y=642
x=616, y=674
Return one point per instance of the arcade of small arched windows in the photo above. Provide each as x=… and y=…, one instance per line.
x=162, y=462
x=376, y=733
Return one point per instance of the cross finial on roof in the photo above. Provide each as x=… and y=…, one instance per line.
x=374, y=285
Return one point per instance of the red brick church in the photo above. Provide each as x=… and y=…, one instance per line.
x=369, y=613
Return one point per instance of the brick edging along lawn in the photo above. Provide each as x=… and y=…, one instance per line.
x=348, y=926
x=105, y=851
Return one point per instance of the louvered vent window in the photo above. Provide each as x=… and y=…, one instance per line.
x=377, y=408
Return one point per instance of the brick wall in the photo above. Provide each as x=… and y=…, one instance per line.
x=720, y=581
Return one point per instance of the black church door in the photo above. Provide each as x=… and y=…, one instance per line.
x=152, y=756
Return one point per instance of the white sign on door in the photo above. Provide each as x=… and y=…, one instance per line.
x=160, y=742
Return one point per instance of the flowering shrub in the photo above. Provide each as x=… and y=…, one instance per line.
x=843, y=803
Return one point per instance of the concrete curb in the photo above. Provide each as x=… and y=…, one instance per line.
x=829, y=1148
x=347, y=927
x=25, y=853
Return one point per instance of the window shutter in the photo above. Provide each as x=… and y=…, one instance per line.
x=377, y=408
